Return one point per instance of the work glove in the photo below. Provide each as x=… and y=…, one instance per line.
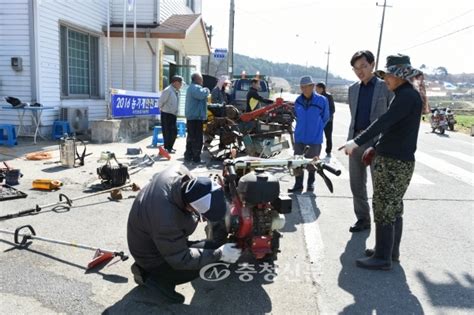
x=230, y=253
x=349, y=147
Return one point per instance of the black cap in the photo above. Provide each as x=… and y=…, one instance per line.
x=207, y=197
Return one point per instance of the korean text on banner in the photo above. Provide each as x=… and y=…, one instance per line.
x=133, y=103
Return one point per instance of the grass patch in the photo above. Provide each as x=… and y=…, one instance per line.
x=465, y=121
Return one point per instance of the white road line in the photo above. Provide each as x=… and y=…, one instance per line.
x=416, y=179
x=445, y=168
x=314, y=242
x=458, y=155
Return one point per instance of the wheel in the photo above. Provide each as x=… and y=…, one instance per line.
x=433, y=129
x=441, y=131
x=451, y=126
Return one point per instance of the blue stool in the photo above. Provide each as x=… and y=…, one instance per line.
x=8, y=135
x=60, y=127
x=181, y=129
x=157, y=136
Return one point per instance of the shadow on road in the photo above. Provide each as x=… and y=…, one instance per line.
x=308, y=211
x=380, y=292
x=229, y=296
x=96, y=270
x=454, y=294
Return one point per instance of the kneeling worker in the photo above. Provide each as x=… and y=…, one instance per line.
x=164, y=214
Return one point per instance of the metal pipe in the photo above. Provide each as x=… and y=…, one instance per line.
x=124, y=38
x=230, y=57
x=109, y=65
x=134, y=45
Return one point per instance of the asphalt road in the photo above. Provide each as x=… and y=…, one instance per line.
x=315, y=272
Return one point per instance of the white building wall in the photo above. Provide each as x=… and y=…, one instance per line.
x=15, y=42
x=170, y=7
x=87, y=15
x=147, y=11
x=144, y=60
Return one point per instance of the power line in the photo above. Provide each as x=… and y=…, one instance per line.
x=447, y=21
x=438, y=38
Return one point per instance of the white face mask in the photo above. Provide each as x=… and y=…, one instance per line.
x=227, y=89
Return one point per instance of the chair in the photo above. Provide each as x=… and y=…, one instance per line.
x=60, y=127
x=8, y=135
x=181, y=129
x=157, y=136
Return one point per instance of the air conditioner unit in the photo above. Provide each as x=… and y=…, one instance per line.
x=78, y=118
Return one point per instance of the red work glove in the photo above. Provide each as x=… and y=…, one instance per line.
x=368, y=156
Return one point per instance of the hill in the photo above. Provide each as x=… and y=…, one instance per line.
x=290, y=72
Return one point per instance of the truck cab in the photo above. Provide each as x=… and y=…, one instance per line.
x=241, y=86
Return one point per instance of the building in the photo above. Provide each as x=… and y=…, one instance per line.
x=55, y=52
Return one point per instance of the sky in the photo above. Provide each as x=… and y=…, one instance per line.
x=433, y=33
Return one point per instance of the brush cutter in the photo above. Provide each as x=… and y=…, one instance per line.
x=67, y=202
x=101, y=255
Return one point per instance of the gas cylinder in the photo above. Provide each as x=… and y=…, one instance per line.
x=67, y=151
x=46, y=184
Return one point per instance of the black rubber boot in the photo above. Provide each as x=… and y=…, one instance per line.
x=167, y=290
x=139, y=275
x=398, y=227
x=382, y=257
x=310, y=183
x=298, y=187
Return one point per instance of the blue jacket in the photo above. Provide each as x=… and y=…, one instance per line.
x=311, y=117
x=196, y=102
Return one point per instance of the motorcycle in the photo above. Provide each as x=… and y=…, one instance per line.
x=438, y=120
x=450, y=118
x=257, y=211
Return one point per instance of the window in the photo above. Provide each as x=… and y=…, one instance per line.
x=79, y=63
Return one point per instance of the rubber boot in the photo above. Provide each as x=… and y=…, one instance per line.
x=166, y=290
x=398, y=227
x=310, y=183
x=382, y=258
x=298, y=187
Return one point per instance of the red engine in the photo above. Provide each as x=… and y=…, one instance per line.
x=257, y=211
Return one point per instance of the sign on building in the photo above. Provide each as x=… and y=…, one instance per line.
x=133, y=103
x=220, y=53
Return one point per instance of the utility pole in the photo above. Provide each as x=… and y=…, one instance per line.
x=381, y=31
x=230, y=57
x=327, y=65
x=209, y=35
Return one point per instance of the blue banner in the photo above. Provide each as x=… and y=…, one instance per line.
x=133, y=103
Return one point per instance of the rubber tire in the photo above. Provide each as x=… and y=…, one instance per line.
x=451, y=127
x=441, y=131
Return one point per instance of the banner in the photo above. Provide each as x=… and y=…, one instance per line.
x=133, y=103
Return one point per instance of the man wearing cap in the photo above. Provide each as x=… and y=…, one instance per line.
x=169, y=105
x=254, y=99
x=368, y=100
x=321, y=89
x=312, y=114
x=196, y=115
x=395, y=157
x=164, y=214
